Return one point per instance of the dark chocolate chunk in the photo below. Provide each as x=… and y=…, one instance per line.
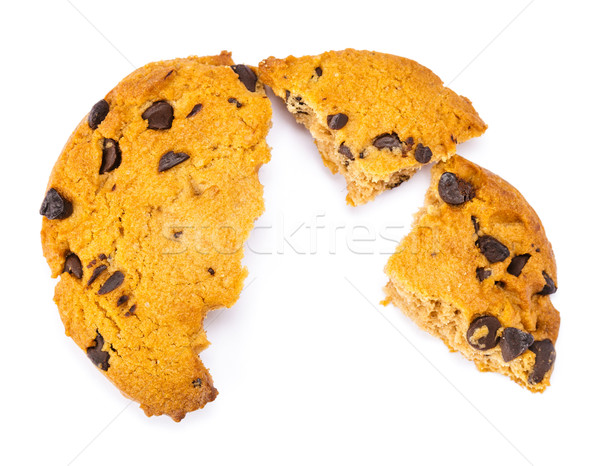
x=409, y=143
x=345, y=151
x=246, y=75
x=112, y=283
x=211, y=271
x=91, y=264
x=483, y=333
x=454, y=190
x=231, y=100
x=423, y=153
x=96, y=273
x=195, y=110
x=549, y=287
x=102, y=257
x=514, y=343
x=73, y=265
x=159, y=115
x=98, y=113
x=131, y=310
x=55, y=206
x=197, y=383
x=337, y=121
x=122, y=300
x=111, y=156
x=98, y=357
x=492, y=249
x=482, y=273
x=170, y=159
x=387, y=141
x=545, y=354
x=319, y=71
x=517, y=263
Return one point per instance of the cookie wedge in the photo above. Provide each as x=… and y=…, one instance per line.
x=146, y=213
x=477, y=270
x=376, y=118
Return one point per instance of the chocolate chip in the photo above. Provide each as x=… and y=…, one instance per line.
x=131, y=311
x=514, y=342
x=483, y=332
x=545, y=354
x=73, y=265
x=387, y=141
x=170, y=159
x=475, y=223
x=246, y=75
x=409, y=143
x=549, y=287
x=197, y=383
x=492, y=249
x=211, y=271
x=319, y=71
x=91, y=264
x=482, y=273
x=394, y=184
x=345, y=151
x=111, y=156
x=423, y=153
x=195, y=110
x=102, y=257
x=159, y=115
x=231, y=100
x=517, y=263
x=454, y=190
x=177, y=234
x=96, y=273
x=55, y=206
x=337, y=121
x=98, y=113
x=98, y=357
x=113, y=282
x=122, y=300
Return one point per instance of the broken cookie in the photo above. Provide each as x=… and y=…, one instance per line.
x=476, y=271
x=376, y=118
x=157, y=185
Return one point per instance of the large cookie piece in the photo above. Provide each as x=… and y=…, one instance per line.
x=376, y=118
x=146, y=214
x=477, y=271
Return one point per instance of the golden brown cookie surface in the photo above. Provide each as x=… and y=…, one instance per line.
x=147, y=211
x=476, y=270
x=376, y=118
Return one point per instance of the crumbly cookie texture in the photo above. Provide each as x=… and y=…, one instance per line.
x=477, y=271
x=376, y=118
x=146, y=214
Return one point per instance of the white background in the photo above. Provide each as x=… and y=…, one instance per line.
x=310, y=368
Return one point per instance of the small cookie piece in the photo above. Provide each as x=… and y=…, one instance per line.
x=476, y=271
x=146, y=214
x=376, y=118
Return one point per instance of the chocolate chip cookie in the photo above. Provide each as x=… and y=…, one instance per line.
x=477, y=271
x=146, y=213
x=376, y=118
